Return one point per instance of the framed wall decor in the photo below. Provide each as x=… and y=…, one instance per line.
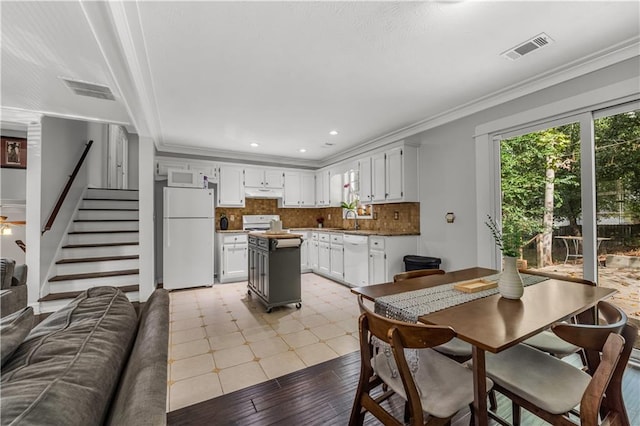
x=13, y=152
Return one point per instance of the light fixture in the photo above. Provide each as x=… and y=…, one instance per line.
x=302, y=150
x=6, y=230
x=450, y=217
x=253, y=144
x=333, y=132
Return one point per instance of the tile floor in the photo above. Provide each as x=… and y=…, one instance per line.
x=222, y=340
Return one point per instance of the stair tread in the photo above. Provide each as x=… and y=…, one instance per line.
x=128, y=243
x=74, y=294
x=110, y=199
x=110, y=210
x=107, y=220
x=97, y=259
x=112, y=189
x=94, y=275
x=117, y=231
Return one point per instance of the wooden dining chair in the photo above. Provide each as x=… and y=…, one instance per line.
x=433, y=384
x=417, y=273
x=551, y=388
x=547, y=341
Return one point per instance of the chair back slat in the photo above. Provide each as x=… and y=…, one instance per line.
x=557, y=277
x=417, y=273
x=593, y=395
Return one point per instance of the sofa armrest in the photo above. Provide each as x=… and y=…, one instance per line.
x=13, y=299
x=141, y=398
x=19, y=275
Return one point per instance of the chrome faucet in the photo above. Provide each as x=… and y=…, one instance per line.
x=355, y=218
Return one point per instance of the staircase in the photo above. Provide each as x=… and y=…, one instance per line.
x=101, y=248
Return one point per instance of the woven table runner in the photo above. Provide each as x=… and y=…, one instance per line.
x=410, y=305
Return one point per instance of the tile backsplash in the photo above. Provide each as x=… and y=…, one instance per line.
x=384, y=216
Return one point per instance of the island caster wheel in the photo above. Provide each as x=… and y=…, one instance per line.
x=249, y=292
x=268, y=310
x=298, y=305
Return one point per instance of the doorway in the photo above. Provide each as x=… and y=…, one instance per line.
x=117, y=159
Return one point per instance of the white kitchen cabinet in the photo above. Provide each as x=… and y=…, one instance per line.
x=323, y=188
x=299, y=189
x=232, y=252
x=164, y=164
x=378, y=178
x=386, y=256
x=206, y=169
x=364, y=175
x=324, y=254
x=389, y=175
x=336, y=262
x=263, y=178
x=304, y=251
x=377, y=267
x=313, y=252
x=231, y=186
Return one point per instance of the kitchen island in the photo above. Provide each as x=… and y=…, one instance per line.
x=274, y=268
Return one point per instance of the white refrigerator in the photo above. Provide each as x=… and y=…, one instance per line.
x=188, y=236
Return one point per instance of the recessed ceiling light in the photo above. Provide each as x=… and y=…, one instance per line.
x=253, y=144
x=333, y=132
x=302, y=150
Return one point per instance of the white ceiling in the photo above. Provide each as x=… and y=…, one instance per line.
x=212, y=77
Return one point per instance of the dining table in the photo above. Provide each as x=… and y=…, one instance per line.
x=494, y=323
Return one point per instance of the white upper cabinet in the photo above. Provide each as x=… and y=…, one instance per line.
x=307, y=190
x=263, y=178
x=364, y=173
x=299, y=189
x=231, y=186
x=378, y=178
x=205, y=168
x=164, y=164
x=323, y=188
x=390, y=175
x=394, y=175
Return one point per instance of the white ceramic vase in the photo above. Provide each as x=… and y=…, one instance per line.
x=510, y=282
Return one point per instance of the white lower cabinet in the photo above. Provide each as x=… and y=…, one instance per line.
x=324, y=258
x=337, y=256
x=313, y=252
x=305, y=265
x=386, y=256
x=232, y=253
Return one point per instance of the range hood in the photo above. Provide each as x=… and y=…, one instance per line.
x=263, y=193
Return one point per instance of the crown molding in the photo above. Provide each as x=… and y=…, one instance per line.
x=234, y=156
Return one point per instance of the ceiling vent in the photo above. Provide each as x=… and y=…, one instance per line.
x=91, y=90
x=537, y=42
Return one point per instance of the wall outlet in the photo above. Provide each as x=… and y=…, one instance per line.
x=396, y=215
x=375, y=215
x=232, y=217
x=329, y=216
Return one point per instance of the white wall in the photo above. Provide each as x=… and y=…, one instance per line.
x=146, y=216
x=447, y=170
x=95, y=162
x=63, y=142
x=133, y=161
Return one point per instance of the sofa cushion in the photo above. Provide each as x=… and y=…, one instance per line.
x=66, y=370
x=6, y=272
x=13, y=329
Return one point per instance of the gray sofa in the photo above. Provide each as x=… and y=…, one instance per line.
x=92, y=362
x=13, y=286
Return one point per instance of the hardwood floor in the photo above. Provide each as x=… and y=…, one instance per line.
x=323, y=394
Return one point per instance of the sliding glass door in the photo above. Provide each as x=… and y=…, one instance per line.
x=572, y=189
x=617, y=171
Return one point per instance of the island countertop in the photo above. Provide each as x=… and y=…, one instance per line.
x=275, y=236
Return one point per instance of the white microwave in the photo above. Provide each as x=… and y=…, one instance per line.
x=185, y=178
